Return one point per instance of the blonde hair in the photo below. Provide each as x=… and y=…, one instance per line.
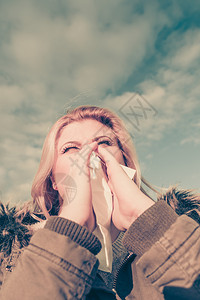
x=43, y=194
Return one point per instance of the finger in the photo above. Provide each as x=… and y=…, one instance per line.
x=105, y=155
x=85, y=154
x=110, y=186
x=90, y=148
x=111, y=163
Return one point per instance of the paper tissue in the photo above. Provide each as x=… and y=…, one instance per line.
x=102, y=204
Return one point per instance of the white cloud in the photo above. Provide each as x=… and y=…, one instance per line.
x=11, y=97
x=193, y=136
x=173, y=92
x=80, y=51
x=186, y=49
x=191, y=140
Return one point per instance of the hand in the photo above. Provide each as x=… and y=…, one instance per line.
x=80, y=210
x=129, y=202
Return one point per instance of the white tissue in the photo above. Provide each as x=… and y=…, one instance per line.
x=102, y=204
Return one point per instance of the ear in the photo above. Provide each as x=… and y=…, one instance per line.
x=53, y=184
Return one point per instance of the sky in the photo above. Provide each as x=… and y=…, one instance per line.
x=141, y=59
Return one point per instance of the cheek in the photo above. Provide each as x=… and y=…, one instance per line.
x=66, y=186
x=62, y=163
x=60, y=170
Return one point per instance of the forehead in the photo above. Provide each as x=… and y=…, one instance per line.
x=83, y=131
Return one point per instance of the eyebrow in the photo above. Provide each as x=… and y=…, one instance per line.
x=93, y=140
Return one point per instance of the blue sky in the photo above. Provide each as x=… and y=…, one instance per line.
x=60, y=54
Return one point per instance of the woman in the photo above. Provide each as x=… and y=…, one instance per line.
x=155, y=251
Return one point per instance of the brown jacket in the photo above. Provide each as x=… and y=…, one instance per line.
x=60, y=262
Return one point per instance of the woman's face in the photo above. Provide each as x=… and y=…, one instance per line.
x=72, y=139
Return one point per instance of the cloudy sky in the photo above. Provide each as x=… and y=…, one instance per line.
x=139, y=58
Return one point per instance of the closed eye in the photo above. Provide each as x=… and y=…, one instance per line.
x=67, y=149
x=107, y=142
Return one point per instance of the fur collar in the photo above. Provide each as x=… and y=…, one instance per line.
x=16, y=228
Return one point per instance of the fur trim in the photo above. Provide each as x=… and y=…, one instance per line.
x=13, y=229
x=183, y=202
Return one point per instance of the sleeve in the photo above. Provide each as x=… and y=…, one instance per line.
x=168, y=251
x=59, y=263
